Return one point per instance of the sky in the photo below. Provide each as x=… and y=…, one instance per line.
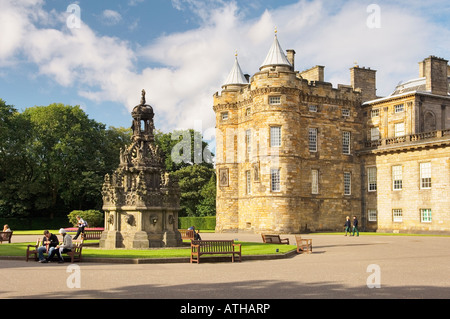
x=101, y=54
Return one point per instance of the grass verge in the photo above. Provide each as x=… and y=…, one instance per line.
x=248, y=248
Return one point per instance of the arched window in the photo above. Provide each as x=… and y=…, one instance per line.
x=429, y=122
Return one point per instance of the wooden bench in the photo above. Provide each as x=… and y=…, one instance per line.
x=303, y=245
x=92, y=234
x=89, y=233
x=74, y=254
x=5, y=236
x=274, y=239
x=214, y=247
x=186, y=233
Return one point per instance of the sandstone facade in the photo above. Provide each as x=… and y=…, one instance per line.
x=293, y=152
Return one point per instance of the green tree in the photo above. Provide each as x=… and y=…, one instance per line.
x=183, y=148
x=192, y=180
x=54, y=159
x=15, y=169
x=207, y=205
x=188, y=157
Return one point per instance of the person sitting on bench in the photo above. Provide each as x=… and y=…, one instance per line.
x=196, y=233
x=62, y=249
x=49, y=243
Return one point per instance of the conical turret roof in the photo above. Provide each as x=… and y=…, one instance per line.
x=275, y=56
x=236, y=76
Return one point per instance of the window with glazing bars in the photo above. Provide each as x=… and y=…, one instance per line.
x=248, y=141
x=425, y=175
x=275, y=180
x=314, y=181
x=274, y=100
x=372, y=179
x=312, y=136
x=397, y=179
x=397, y=215
x=347, y=183
x=425, y=215
x=248, y=179
x=275, y=136
x=372, y=215
x=346, y=142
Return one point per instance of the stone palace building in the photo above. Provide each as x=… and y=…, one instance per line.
x=296, y=154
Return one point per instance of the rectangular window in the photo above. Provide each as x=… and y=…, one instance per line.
x=224, y=116
x=346, y=112
x=346, y=137
x=274, y=100
x=425, y=215
x=248, y=141
x=372, y=179
x=312, y=108
x=399, y=108
x=347, y=183
x=374, y=134
x=397, y=215
x=312, y=136
x=374, y=113
x=248, y=179
x=397, y=181
x=425, y=175
x=275, y=180
x=275, y=136
x=372, y=215
x=314, y=181
x=399, y=129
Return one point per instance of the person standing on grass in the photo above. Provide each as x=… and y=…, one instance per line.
x=355, y=226
x=81, y=225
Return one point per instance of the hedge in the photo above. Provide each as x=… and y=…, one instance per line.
x=205, y=223
x=94, y=218
x=33, y=223
x=201, y=223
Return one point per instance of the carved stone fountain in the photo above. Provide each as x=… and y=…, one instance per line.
x=141, y=201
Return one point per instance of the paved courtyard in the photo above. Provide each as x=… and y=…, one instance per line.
x=339, y=267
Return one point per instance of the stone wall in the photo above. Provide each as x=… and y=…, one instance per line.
x=412, y=197
x=297, y=102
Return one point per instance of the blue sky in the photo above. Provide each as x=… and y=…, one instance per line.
x=181, y=51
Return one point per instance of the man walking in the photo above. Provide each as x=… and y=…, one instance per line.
x=355, y=226
x=81, y=225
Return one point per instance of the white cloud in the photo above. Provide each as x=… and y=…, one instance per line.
x=134, y=2
x=111, y=17
x=193, y=64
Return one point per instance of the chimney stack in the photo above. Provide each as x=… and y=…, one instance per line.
x=435, y=70
x=364, y=79
x=291, y=58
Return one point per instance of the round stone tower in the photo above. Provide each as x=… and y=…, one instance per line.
x=280, y=157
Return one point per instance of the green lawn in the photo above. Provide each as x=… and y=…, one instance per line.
x=39, y=233
x=248, y=248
